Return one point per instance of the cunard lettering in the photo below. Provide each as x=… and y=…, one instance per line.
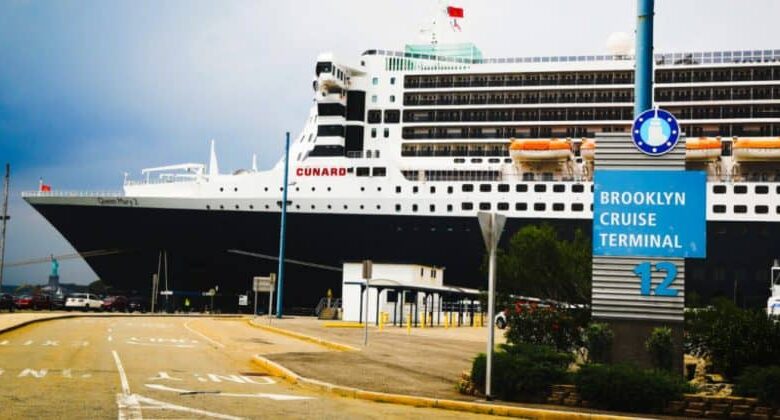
x=321, y=171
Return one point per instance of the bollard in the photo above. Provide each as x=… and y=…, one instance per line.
x=381, y=321
x=423, y=319
x=446, y=324
x=409, y=324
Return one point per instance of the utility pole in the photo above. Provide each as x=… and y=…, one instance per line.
x=283, y=229
x=4, y=218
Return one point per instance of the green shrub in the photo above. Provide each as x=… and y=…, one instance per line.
x=661, y=348
x=598, y=338
x=760, y=382
x=556, y=327
x=628, y=388
x=522, y=372
x=732, y=338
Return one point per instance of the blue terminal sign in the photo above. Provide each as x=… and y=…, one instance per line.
x=649, y=213
x=655, y=132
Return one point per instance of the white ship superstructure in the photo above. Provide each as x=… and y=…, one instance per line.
x=401, y=150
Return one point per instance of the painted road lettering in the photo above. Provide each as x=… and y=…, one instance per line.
x=214, y=377
x=44, y=343
x=34, y=373
x=163, y=342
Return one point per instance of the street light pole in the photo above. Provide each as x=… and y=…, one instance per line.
x=4, y=219
x=283, y=228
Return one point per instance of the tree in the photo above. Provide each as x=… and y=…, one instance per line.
x=98, y=287
x=536, y=263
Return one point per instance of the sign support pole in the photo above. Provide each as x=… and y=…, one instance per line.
x=492, y=226
x=491, y=313
x=283, y=228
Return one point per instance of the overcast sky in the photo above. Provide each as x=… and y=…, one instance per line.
x=90, y=89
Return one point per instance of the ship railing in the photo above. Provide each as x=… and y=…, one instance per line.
x=72, y=194
x=680, y=58
x=156, y=181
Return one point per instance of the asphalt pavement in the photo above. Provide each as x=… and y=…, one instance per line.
x=163, y=367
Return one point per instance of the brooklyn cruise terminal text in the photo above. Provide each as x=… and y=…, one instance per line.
x=643, y=219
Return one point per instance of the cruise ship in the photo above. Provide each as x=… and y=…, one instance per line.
x=401, y=149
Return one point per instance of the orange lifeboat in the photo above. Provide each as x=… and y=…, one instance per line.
x=525, y=150
x=588, y=149
x=702, y=148
x=757, y=149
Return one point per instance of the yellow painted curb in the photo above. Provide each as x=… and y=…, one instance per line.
x=342, y=325
x=316, y=340
x=280, y=371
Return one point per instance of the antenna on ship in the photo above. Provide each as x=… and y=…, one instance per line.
x=213, y=166
x=254, y=162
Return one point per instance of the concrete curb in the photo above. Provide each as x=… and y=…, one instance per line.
x=308, y=338
x=35, y=321
x=106, y=315
x=280, y=371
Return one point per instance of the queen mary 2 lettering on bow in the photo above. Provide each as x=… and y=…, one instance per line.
x=649, y=214
x=324, y=171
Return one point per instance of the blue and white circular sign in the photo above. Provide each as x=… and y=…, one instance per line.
x=655, y=132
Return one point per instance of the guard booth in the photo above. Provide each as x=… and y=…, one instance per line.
x=407, y=293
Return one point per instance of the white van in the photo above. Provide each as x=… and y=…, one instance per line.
x=84, y=301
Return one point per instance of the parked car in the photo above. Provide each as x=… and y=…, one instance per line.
x=84, y=301
x=115, y=304
x=7, y=302
x=137, y=304
x=23, y=302
x=501, y=320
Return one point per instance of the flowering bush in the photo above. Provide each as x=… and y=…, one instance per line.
x=547, y=325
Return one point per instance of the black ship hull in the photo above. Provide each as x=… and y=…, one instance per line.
x=206, y=249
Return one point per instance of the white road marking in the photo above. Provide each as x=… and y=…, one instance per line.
x=122, y=375
x=275, y=397
x=38, y=374
x=27, y=343
x=266, y=380
x=51, y=343
x=217, y=343
x=4, y=343
x=181, y=346
x=162, y=375
x=159, y=405
x=130, y=405
x=66, y=373
x=1, y=372
x=110, y=338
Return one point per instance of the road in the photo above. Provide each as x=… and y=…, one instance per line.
x=162, y=367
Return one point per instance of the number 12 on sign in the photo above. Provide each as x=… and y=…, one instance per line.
x=644, y=271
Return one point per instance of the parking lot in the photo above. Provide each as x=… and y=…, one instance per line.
x=161, y=367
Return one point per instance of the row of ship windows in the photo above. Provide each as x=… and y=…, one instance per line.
x=466, y=206
x=742, y=209
x=743, y=189
x=539, y=188
x=519, y=206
